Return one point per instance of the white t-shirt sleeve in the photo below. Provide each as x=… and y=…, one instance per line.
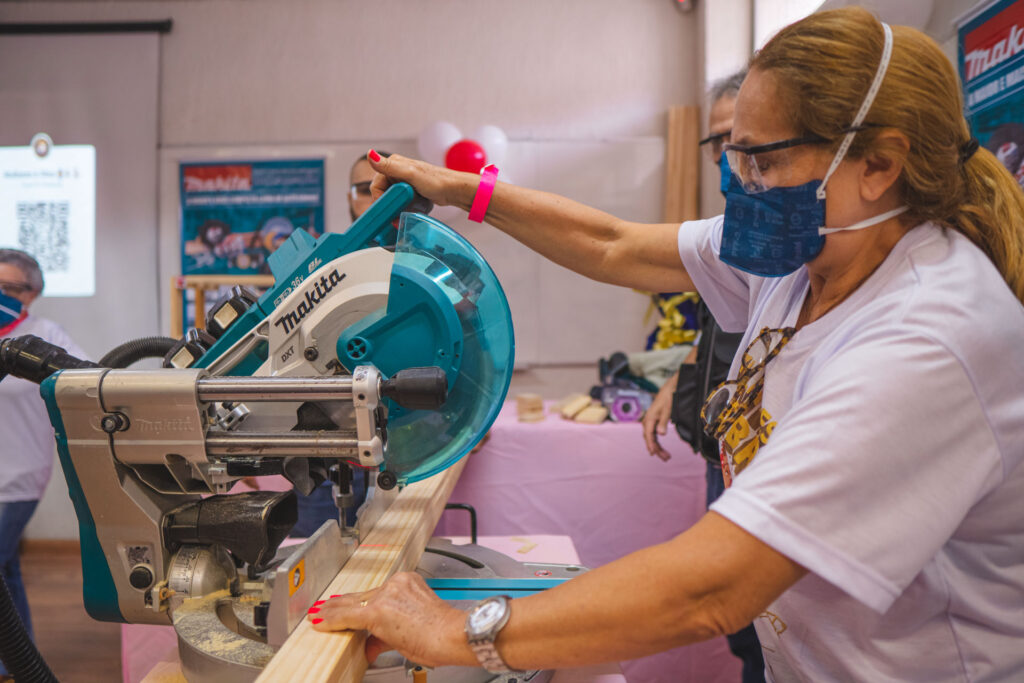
x=873, y=468
x=726, y=290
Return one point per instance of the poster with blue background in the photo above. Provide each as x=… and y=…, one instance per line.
x=991, y=61
x=235, y=213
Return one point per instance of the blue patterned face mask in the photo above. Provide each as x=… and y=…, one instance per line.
x=771, y=228
x=770, y=233
x=10, y=310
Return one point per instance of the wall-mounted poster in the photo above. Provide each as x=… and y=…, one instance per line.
x=48, y=209
x=235, y=213
x=991, y=55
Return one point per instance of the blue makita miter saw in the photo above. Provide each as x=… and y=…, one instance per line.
x=394, y=360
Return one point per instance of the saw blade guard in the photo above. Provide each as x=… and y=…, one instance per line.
x=453, y=314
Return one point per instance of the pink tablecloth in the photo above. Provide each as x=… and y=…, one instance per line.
x=598, y=485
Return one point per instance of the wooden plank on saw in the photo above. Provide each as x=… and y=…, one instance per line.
x=682, y=168
x=394, y=544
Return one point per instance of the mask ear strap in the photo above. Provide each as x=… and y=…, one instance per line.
x=862, y=113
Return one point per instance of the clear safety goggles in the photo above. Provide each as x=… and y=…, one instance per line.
x=762, y=167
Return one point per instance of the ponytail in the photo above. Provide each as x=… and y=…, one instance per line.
x=992, y=216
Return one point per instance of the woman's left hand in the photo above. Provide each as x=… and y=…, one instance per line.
x=405, y=615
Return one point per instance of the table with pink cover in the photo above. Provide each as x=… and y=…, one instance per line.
x=143, y=647
x=598, y=485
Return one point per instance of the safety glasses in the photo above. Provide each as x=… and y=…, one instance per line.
x=358, y=190
x=761, y=167
x=712, y=145
x=14, y=288
x=732, y=412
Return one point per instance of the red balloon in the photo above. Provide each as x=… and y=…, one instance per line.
x=466, y=155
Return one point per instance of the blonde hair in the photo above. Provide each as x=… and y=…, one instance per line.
x=825, y=64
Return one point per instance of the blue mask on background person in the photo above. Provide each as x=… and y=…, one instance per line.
x=776, y=230
x=10, y=310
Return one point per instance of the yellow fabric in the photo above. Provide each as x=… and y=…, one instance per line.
x=672, y=325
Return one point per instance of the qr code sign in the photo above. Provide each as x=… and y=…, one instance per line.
x=43, y=232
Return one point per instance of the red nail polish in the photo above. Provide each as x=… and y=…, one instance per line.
x=318, y=603
x=317, y=621
x=313, y=610
x=374, y=157
x=338, y=595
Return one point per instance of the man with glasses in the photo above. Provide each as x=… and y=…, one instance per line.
x=359, y=178
x=682, y=395
x=26, y=458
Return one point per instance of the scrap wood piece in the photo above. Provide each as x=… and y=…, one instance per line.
x=594, y=414
x=394, y=544
x=571, y=406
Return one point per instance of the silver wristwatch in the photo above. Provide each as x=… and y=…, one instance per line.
x=483, y=623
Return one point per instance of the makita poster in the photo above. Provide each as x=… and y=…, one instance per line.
x=991, y=51
x=234, y=214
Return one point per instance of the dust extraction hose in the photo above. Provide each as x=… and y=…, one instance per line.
x=18, y=652
x=135, y=350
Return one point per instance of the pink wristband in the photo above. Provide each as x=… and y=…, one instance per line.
x=482, y=198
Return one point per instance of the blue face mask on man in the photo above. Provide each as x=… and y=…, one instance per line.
x=771, y=230
x=10, y=310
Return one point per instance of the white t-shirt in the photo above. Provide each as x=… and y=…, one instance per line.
x=894, y=472
x=27, y=448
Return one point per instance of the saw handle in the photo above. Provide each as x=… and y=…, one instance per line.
x=417, y=388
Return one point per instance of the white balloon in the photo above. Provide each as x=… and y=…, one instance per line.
x=494, y=141
x=435, y=139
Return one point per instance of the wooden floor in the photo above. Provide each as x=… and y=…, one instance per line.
x=77, y=649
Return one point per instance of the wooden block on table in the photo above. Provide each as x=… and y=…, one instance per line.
x=573, y=405
x=538, y=416
x=594, y=414
x=529, y=405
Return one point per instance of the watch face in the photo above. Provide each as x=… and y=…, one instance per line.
x=485, y=616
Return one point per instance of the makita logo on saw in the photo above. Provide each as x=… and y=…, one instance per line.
x=314, y=295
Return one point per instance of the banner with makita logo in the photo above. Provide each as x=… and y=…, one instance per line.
x=991, y=61
x=235, y=213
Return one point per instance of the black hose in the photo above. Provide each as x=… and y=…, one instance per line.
x=18, y=652
x=135, y=350
x=35, y=359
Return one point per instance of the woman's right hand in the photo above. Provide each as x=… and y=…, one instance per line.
x=442, y=186
x=656, y=418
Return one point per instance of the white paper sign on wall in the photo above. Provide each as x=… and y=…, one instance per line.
x=48, y=209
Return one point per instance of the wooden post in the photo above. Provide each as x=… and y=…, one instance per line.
x=682, y=168
x=394, y=544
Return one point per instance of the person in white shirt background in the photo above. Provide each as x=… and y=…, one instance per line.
x=873, y=430
x=27, y=453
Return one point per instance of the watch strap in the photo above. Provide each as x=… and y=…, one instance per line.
x=482, y=644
